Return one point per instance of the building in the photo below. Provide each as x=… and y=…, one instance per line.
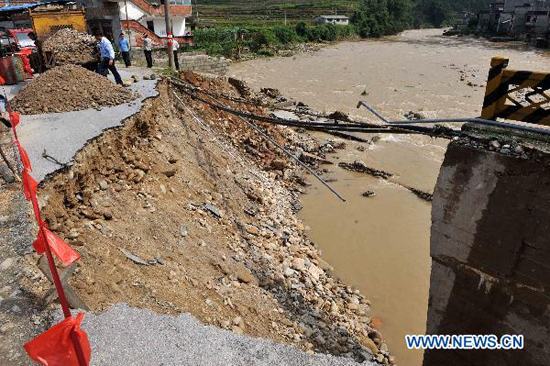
x=332, y=19
x=537, y=26
x=142, y=16
x=102, y=15
x=517, y=19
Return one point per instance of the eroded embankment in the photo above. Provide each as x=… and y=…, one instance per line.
x=195, y=213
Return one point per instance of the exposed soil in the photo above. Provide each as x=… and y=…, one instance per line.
x=69, y=88
x=70, y=47
x=186, y=209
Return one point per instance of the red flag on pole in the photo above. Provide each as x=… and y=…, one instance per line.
x=63, y=251
x=29, y=185
x=24, y=157
x=14, y=118
x=55, y=346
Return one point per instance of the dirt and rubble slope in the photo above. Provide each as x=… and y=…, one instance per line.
x=69, y=88
x=186, y=209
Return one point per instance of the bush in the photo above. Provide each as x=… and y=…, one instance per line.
x=329, y=32
x=301, y=30
x=216, y=41
x=285, y=34
x=262, y=38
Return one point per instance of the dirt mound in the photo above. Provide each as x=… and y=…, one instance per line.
x=70, y=47
x=69, y=88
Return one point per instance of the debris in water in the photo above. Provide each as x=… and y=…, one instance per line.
x=421, y=194
x=339, y=116
x=368, y=194
x=410, y=115
x=359, y=166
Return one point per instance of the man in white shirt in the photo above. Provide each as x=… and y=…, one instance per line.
x=175, y=49
x=148, y=50
x=107, y=54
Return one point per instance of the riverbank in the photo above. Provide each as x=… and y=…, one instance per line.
x=381, y=243
x=185, y=209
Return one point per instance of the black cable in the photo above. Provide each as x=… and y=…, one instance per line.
x=317, y=126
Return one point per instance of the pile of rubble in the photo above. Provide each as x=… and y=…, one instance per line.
x=71, y=47
x=69, y=88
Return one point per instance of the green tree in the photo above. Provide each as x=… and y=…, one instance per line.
x=376, y=18
x=435, y=12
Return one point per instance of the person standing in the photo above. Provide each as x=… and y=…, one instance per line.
x=148, y=49
x=124, y=46
x=36, y=58
x=107, y=54
x=175, y=49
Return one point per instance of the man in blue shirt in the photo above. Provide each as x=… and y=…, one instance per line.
x=124, y=49
x=107, y=54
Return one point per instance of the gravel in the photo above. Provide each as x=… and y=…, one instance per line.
x=128, y=336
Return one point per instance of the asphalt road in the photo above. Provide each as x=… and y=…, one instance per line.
x=129, y=336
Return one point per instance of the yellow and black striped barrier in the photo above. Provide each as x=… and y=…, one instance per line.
x=502, y=91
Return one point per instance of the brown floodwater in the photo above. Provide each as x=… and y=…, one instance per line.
x=381, y=244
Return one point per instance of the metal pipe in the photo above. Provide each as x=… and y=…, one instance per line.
x=481, y=121
x=361, y=103
x=349, y=127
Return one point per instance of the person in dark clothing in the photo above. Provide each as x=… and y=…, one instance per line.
x=124, y=46
x=107, y=54
x=36, y=58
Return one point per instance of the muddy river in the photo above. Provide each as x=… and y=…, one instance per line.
x=381, y=244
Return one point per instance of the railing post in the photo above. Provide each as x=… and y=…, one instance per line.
x=495, y=91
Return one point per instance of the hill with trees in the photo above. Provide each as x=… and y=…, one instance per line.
x=386, y=15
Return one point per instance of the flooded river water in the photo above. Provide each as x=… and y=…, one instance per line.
x=381, y=244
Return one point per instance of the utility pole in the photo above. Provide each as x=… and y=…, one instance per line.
x=128, y=24
x=169, y=33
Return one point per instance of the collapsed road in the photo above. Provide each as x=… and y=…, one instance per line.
x=191, y=211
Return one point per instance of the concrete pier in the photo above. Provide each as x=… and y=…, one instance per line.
x=490, y=246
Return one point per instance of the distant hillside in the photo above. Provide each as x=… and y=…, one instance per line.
x=267, y=11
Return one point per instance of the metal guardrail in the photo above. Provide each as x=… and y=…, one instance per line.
x=516, y=95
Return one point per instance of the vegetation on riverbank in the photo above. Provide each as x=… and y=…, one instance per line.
x=266, y=40
x=369, y=18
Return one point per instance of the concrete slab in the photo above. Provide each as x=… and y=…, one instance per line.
x=128, y=336
x=63, y=134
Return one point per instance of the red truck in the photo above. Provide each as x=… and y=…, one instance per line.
x=20, y=38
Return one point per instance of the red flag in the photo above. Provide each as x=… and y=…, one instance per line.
x=14, y=118
x=55, y=346
x=29, y=185
x=63, y=251
x=24, y=157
